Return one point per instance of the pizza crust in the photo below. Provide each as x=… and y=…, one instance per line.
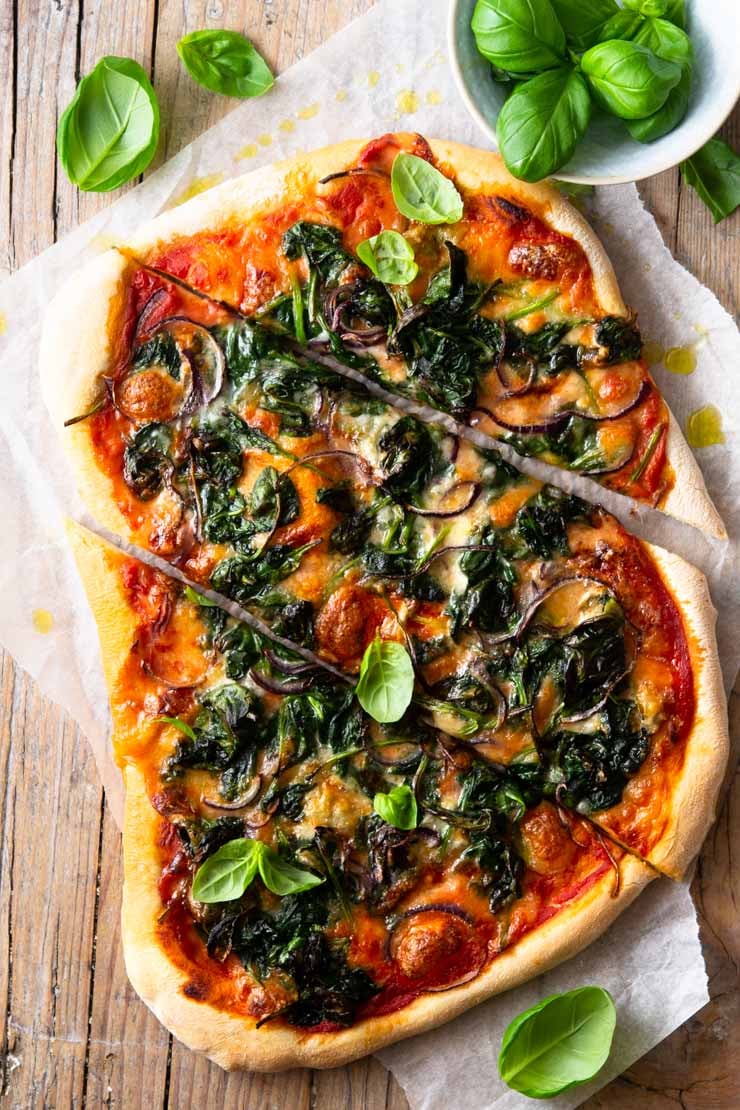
x=694, y=797
x=232, y=1040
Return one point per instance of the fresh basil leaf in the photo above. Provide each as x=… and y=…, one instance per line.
x=398, y=807
x=673, y=45
x=108, y=132
x=627, y=79
x=676, y=13
x=561, y=1042
x=519, y=38
x=666, y=41
x=283, y=878
x=666, y=118
x=647, y=7
x=182, y=726
x=386, y=681
x=622, y=25
x=714, y=171
x=198, y=599
x=225, y=62
x=422, y=193
x=583, y=20
x=390, y=257
x=228, y=872
x=541, y=123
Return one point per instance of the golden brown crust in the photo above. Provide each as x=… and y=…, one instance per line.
x=693, y=798
x=232, y=1040
x=99, y=566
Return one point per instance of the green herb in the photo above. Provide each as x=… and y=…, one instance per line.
x=422, y=193
x=532, y=305
x=182, y=726
x=109, y=131
x=622, y=25
x=647, y=7
x=584, y=20
x=398, y=807
x=228, y=872
x=225, y=62
x=321, y=244
x=653, y=442
x=146, y=463
x=561, y=1042
x=627, y=79
x=519, y=38
x=541, y=123
x=714, y=171
x=390, y=257
x=386, y=682
x=198, y=599
x=673, y=45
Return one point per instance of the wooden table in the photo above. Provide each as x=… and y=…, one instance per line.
x=72, y=1031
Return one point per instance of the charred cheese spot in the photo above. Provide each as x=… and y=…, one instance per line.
x=197, y=989
x=543, y=260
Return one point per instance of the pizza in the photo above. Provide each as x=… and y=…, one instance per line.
x=315, y=451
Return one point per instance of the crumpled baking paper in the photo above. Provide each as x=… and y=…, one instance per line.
x=386, y=71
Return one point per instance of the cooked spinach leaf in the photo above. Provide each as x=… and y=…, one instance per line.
x=146, y=463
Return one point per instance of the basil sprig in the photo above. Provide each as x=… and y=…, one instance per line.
x=108, y=132
x=422, y=193
x=386, y=681
x=561, y=1042
x=390, y=257
x=225, y=62
x=398, y=807
x=714, y=171
x=556, y=107
x=627, y=79
x=228, y=872
x=557, y=56
x=519, y=38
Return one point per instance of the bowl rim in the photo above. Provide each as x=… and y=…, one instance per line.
x=718, y=118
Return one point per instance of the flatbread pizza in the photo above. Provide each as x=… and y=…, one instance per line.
x=240, y=394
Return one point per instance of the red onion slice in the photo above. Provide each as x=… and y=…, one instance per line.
x=475, y=492
x=297, y=686
x=513, y=385
x=557, y=419
x=204, y=353
x=243, y=800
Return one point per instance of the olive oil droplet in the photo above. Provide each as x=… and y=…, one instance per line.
x=704, y=427
x=43, y=621
x=198, y=185
x=407, y=102
x=680, y=360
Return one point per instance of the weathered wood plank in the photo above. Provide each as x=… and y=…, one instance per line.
x=127, y=1051
x=52, y=815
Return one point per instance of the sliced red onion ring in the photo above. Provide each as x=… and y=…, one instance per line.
x=150, y=307
x=356, y=171
x=515, y=386
x=286, y=666
x=332, y=453
x=297, y=686
x=207, y=360
x=475, y=492
x=257, y=820
x=559, y=418
x=534, y=605
x=437, y=907
x=243, y=800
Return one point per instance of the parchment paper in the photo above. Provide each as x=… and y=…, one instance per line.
x=385, y=71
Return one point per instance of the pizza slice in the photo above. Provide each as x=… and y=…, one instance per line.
x=292, y=894
x=533, y=620
x=496, y=303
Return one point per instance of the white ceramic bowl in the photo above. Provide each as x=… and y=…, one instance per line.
x=607, y=154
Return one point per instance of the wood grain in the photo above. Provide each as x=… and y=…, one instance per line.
x=72, y=1032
